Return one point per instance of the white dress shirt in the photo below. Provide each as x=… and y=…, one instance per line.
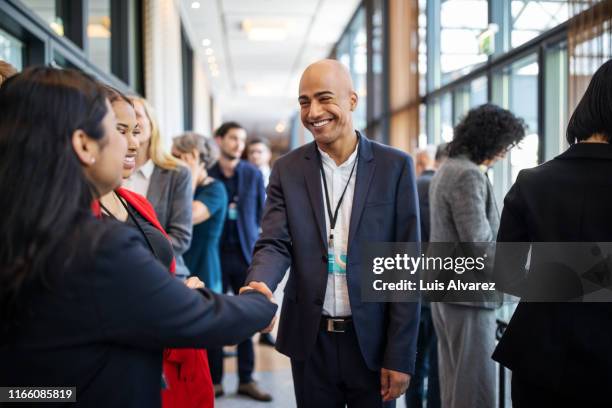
x=139, y=181
x=336, y=302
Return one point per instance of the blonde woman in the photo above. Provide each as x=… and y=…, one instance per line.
x=165, y=181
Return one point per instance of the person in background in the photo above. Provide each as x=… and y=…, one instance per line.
x=165, y=182
x=209, y=208
x=559, y=353
x=83, y=301
x=426, y=365
x=6, y=71
x=246, y=195
x=259, y=154
x=463, y=210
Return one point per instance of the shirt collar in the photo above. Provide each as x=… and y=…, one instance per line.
x=329, y=161
x=147, y=169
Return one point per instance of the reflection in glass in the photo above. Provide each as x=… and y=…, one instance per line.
x=51, y=11
x=99, y=33
x=11, y=50
x=462, y=21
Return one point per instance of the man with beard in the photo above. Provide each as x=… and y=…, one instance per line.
x=327, y=200
x=245, y=191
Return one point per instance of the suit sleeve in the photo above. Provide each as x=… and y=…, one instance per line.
x=139, y=304
x=261, y=196
x=180, y=223
x=403, y=317
x=272, y=253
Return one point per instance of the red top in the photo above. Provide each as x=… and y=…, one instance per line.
x=186, y=370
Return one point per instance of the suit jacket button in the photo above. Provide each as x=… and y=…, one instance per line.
x=319, y=302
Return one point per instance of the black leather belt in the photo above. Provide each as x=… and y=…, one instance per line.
x=336, y=324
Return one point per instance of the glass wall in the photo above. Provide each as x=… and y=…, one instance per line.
x=11, y=50
x=99, y=33
x=51, y=11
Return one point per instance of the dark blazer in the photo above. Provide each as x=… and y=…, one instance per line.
x=251, y=198
x=385, y=208
x=170, y=193
x=423, y=183
x=561, y=346
x=106, y=319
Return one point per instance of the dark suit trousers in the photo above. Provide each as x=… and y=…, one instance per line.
x=335, y=374
x=233, y=270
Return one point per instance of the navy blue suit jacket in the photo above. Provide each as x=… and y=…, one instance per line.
x=107, y=317
x=251, y=198
x=385, y=208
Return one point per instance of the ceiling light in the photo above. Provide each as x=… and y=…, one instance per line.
x=212, y=59
x=265, y=30
x=206, y=42
x=98, y=31
x=195, y=5
x=280, y=127
x=209, y=51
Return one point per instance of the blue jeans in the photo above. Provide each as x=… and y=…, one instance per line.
x=426, y=366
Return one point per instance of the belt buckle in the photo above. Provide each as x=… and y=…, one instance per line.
x=331, y=327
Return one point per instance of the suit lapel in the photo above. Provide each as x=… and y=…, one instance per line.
x=365, y=173
x=312, y=176
x=155, y=188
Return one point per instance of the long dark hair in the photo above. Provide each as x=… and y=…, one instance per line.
x=45, y=194
x=485, y=132
x=593, y=115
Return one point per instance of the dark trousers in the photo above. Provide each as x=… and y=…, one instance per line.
x=426, y=366
x=233, y=269
x=528, y=395
x=335, y=375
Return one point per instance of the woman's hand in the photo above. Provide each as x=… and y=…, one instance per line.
x=194, y=283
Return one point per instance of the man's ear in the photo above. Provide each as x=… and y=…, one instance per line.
x=354, y=98
x=85, y=148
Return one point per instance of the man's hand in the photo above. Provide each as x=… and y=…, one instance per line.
x=194, y=283
x=393, y=384
x=259, y=287
x=265, y=290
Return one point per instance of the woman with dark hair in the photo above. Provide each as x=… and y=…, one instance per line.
x=559, y=353
x=187, y=375
x=463, y=210
x=83, y=302
x=209, y=208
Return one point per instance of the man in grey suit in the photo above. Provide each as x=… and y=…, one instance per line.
x=463, y=210
x=325, y=201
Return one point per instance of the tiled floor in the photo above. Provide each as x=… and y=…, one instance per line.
x=273, y=374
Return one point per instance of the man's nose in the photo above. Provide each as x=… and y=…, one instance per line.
x=315, y=110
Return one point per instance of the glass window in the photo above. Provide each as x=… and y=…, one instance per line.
x=556, y=98
x=462, y=21
x=11, y=50
x=422, y=47
x=446, y=118
x=530, y=18
x=516, y=89
x=52, y=11
x=99, y=33
x=377, y=60
x=468, y=96
x=352, y=51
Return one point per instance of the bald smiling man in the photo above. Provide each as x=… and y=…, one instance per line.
x=325, y=201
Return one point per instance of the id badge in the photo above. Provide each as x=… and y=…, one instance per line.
x=232, y=212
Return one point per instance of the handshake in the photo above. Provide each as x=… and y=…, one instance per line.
x=264, y=290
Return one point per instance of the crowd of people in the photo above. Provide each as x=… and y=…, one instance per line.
x=118, y=256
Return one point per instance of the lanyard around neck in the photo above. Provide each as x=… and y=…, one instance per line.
x=333, y=217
